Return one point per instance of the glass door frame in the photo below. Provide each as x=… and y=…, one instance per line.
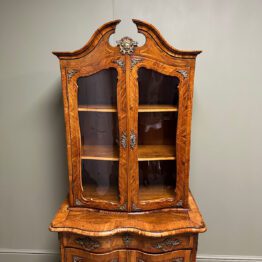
x=75, y=136
x=182, y=134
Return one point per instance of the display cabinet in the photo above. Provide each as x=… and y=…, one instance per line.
x=128, y=119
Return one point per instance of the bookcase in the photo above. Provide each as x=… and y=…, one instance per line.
x=128, y=113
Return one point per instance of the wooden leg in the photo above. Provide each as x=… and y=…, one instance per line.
x=194, y=250
x=62, y=249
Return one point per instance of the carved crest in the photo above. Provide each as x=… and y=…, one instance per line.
x=127, y=45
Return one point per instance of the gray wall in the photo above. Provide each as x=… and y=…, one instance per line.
x=226, y=134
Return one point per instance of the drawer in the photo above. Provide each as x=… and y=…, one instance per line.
x=128, y=241
x=175, y=256
x=75, y=255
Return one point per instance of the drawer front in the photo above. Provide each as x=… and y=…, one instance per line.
x=175, y=256
x=75, y=255
x=128, y=241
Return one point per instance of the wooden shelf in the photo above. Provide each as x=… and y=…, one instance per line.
x=100, y=152
x=156, y=152
x=157, y=108
x=154, y=192
x=97, y=108
x=145, y=152
x=101, y=193
x=141, y=108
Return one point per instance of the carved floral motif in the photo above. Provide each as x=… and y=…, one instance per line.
x=167, y=244
x=88, y=243
x=127, y=45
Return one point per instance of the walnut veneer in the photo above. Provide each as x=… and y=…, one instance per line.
x=128, y=112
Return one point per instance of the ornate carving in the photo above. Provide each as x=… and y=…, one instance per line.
x=127, y=45
x=167, y=244
x=123, y=207
x=88, y=243
x=179, y=203
x=126, y=239
x=132, y=140
x=178, y=259
x=123, y=140
x=78, y=202
x=71, y=73
x=120, y=62
x=135, y=60
x=77, y=259
x=183, y=73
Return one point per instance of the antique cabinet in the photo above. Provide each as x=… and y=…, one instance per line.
x=128, y=118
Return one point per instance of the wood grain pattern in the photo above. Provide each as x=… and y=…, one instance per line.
x=129, y=241
x=153, y=224
x=156, y=213
x=175, y=256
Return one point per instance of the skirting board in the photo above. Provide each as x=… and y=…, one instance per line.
x=25, y=255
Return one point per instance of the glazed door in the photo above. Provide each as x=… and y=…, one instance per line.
x=156, y=100
x=98, y=122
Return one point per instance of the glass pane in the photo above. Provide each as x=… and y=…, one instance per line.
x=98, y=89
x=98, y=128
x=157, y=179
x=157, y=126
x=156, y=88
x=100, y=179
x=99, y=135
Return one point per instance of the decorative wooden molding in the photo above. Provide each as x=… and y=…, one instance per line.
x=183, y=73
x=127, y=45
x=105, y=30
x=87, y=243
x=167, y=244
x=149, y=31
